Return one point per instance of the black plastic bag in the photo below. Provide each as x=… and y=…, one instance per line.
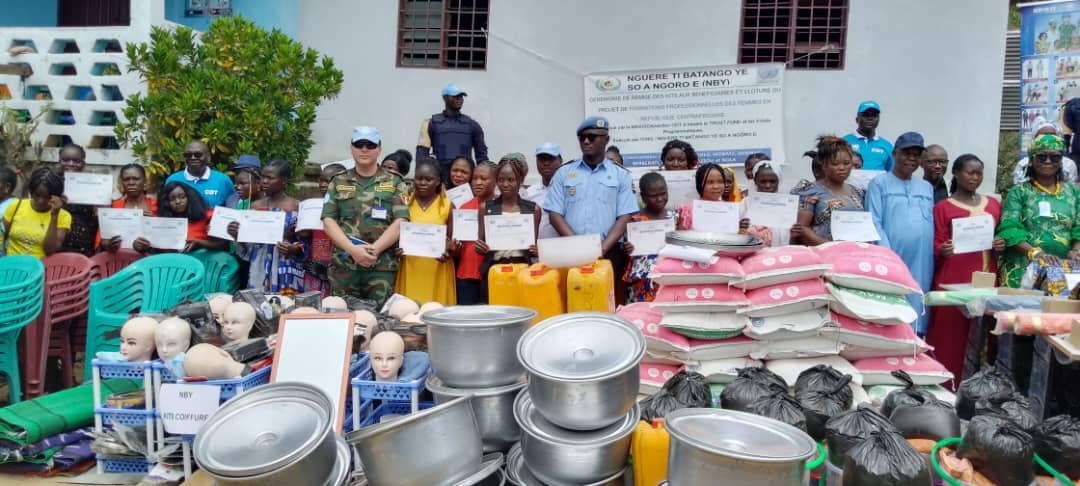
x=909, y=395
x=1013, y=406
x=762, y=374
x=822, y=378
x=987, y=382
x=1057, y=441
x=686, y=389
x=999, y=449
x=885, y=459
x=931, y=419
x=743, y=392
x=850, y=428
x=821, y=405
x=780, y=406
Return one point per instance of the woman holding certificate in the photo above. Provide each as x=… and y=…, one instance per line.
x=37, y=226
x=949, y=327
x=420, y=278
x=471, y=284
x=509, y=175
x=179, y=200
x=275, y=268
x=711, y=181
x=133, y=186
x=84, y=222
x=818, y=200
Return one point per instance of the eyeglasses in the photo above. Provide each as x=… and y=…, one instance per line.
x=591, y=137
x=1047, y=158
x=193, y=155
x=365, y=145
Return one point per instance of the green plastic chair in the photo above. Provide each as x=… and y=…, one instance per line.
x=22, y=285
x=149, y=285
x=221, y=269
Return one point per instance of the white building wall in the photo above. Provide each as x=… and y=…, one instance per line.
x=935, y=66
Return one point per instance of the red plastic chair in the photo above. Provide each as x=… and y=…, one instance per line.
x=66, y=297
x=103, y=265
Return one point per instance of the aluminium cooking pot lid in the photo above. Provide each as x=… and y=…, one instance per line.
x=739, y=435
x=581, y=346
x=478, y=316
x=263, y=430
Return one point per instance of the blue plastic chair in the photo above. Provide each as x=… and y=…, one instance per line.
x=22, y=285
x=152, y=284
x=221, y=269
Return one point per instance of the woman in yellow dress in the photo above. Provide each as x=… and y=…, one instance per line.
x=420, y=278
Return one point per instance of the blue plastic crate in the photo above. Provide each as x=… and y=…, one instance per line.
x=122, y=369
x=399, y=408
x=122, y=416
x=386, y=390
x=361, y=368
x=166, y=375
x=134, y=465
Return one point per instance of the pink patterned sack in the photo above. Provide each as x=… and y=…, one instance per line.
x=923, y=370
x=772, y=266
x=787, y=298
x=699, y=298
x=672, y=271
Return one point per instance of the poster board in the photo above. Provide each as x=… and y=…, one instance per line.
x=316, y=349
x=1049, y=63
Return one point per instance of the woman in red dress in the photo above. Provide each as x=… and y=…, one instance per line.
x=948, y=327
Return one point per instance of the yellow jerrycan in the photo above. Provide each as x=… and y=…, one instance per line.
x=591, y=288
x=503, y=283
x=541, y=290
x=649, y=452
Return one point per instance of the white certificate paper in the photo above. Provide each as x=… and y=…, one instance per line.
x=681, y=188
x=854, y=226
x=309, y=215
x=466, y=224
x=460, y=195
x=716, y=216
x=509, y=231
x=88, y=188
x=423, y=240
x=165, y=233
x=125, y=223
x=219, y=223
x=773, y=210
x=265, y=227
x=861, y=178
x=973, y=234
x=648, y=236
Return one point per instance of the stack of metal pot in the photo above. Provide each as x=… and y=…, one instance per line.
x=473, y=353
x=579, y=408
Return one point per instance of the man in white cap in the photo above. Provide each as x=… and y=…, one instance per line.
x=452, y=134
x=548, y=161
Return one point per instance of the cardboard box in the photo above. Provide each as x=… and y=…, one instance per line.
x=983, y=280
x=1020, y=292
x=1061, y=306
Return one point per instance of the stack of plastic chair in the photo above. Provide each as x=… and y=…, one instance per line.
x=22, y=279
x=67, y=277
x=103, y=265
x=151, y=285
x=221, y=269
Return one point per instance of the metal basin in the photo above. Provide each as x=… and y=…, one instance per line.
x=473, y=346
x=439, y=446
x=278, y=434
x=493, y=407
x=561, y=457
x=742, y=448
x=583, y=368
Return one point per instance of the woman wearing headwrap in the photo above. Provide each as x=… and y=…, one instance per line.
x=766, y=177
x=1043, y=127
x=1037, y=221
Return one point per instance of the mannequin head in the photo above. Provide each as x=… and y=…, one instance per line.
x=218, y=305
x=335, y=302
x=413, y=318
x=173, y=336
x=238, y=321
x=430, y=306
x=365, y=324
x=387, y=353
x=212, y=362
x=304, y=310
x=137, y=339
x=402, y=308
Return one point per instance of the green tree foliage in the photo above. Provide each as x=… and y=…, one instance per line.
x=239, y=88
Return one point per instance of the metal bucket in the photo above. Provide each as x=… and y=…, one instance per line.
x=493, y=407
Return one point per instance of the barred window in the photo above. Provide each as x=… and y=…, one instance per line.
x=803, y=34
x=443, y=34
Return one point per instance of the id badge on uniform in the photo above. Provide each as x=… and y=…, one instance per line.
x=378, y=212
x=1044, y=210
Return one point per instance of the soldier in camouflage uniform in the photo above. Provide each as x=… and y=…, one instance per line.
x=366, y=204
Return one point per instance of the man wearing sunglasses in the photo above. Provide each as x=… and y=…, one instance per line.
x=451, y=134
x=362, y=215
x=592, y=195
x=215, y=187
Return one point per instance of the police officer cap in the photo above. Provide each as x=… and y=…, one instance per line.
x=593, y=122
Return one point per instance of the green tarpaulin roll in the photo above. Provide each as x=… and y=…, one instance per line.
x=27, y=422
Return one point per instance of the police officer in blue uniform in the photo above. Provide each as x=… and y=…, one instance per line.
x=452, y=134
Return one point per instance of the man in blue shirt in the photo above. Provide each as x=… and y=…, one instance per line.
x=902, y=208
x=592, y=195
x=452, y=134
x=216, y=188
x=876, y=152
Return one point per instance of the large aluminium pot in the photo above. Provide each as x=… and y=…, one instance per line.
x=742, y=448
x=561, y=457
x=493, y=407
x=439, y=446
x=277, y=434
x=517, y=474
x=473, y=346
x=583, y=368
